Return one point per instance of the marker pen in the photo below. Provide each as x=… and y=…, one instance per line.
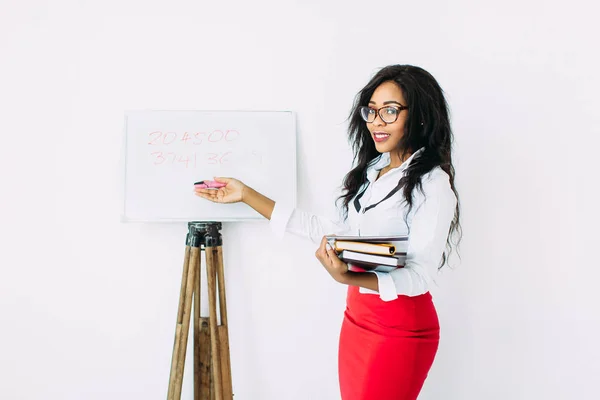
x=209, y=184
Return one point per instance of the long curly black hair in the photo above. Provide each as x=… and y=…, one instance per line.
x=427, y=125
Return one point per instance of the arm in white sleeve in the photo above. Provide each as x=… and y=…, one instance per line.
x=298, y=222
x=428, y=233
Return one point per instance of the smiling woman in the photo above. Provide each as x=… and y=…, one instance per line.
x=385, y=118
x=402, y=184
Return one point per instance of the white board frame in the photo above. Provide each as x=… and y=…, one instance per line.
x=252, y=216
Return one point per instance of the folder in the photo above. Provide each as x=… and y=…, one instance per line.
x=399, y=242
x=371, y=248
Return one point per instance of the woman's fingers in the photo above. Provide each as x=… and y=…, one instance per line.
x=323, y=250
x=207, y=194
x=205, y=191
x=320, y=252
x=222, y=179
x=322, y=244
x=330, y=260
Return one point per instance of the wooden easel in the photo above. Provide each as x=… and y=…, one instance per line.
x=212, y=366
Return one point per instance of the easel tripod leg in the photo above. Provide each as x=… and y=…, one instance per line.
x=212, y=306
x=201, y=344
x=202, y=389
x=183, y=322
x=178, y=326
x=207, y=392
x=223, y=329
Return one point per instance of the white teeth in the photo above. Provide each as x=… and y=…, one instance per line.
x=381, y=135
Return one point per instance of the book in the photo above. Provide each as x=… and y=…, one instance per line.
x=370, y=239
x=371, y=248
x=363, y=268
x=399, y=242
x=372, y=260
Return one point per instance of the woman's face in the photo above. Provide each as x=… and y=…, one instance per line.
x=387, y=135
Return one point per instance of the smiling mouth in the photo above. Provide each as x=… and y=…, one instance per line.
x=380, y=136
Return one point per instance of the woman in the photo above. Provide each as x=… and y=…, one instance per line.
x=402, y=184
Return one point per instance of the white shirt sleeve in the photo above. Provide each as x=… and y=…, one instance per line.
x=428, y=233
x=301, y=223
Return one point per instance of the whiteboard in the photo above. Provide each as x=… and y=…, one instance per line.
x=167, y=151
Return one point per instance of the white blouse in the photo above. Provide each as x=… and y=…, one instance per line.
x=427, y=224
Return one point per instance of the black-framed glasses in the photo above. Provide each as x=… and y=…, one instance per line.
x=388, y=114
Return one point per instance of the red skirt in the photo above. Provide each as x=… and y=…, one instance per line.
x=386, y=348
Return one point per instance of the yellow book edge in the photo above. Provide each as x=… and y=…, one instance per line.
x=369, y=248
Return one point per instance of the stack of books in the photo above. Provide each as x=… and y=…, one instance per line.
x=371, y=253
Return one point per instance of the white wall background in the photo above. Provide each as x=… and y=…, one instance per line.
x=88, y=305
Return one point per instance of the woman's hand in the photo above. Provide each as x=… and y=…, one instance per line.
x=336, y=267
x=232, y=193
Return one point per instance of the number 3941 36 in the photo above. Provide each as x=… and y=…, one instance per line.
x=190, y=160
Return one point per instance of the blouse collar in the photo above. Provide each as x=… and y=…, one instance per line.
x=384, y=160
